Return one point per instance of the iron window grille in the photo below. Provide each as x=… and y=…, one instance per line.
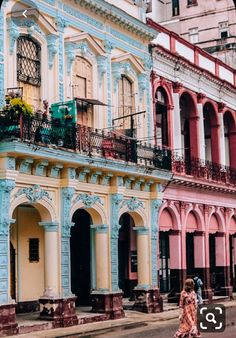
x=34, y=250
x=28, y=61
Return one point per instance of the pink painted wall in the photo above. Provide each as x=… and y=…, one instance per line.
x=220, y=251
x=175, y=251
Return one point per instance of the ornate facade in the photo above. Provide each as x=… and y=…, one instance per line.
x=195, y=116
x=79, y=202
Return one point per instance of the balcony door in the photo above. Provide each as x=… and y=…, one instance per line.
x=82, y=87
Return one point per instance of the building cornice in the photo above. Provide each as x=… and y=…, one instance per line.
x=119, y=17
x=19, y=149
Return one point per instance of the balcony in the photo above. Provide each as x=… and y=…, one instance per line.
x=199, y=169
x=83, y=140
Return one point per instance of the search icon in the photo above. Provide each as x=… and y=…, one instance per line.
x=210, y=317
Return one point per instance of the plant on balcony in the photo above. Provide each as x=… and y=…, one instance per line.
x=18, y=107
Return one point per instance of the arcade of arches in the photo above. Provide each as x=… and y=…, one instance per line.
x=78, y=258
x=197, y=239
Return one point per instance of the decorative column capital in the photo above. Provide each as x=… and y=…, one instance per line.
x=102, y=66
x=177, y=87
x=50, y=226
x=200, y=98
x=70, y=54
x=221, y=107
x=108, y=46
x=52, y=48
x=141, y=230
x=13, y=32
x=116, y=74
x=142, y=85
x=7, y=185
x=102, y=228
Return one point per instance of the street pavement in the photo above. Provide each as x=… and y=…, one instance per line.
x=136, y=325
x=163, y=330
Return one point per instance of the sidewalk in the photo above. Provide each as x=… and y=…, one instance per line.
x=131, y=318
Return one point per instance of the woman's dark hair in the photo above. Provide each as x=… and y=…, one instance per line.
x=189, y=285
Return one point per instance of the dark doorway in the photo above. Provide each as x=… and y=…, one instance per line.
x=127, y=256
x=164, y=272
x=161, y=118
x=80, y=257
x=232, y=264
x=190, y=254
x=212, y=249
x=13, y=271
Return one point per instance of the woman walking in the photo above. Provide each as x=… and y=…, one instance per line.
x=188, y=312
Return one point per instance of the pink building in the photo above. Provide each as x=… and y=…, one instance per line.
x=195, y=115
x=208, y=24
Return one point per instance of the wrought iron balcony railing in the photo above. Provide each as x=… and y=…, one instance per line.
x=204, y=170
x=84, y=140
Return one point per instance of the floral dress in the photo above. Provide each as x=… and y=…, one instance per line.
x=188, y=321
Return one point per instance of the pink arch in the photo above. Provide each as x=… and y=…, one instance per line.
x=170, y=207
x=199, y=216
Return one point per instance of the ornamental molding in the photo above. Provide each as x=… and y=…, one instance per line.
x=52, y=48
x=132, y=204
x=88, y=200
x=34, y=193
x=115, y=14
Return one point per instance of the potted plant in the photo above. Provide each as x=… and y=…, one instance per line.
x=16, y=108
x=19, y=107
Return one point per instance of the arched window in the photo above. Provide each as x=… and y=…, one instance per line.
x=161, y=118
x=189, y=128
x=185, y=128
x=212, y=150
x=126, y=104
x=82, y=87
x=29, y=69
x=230, y=137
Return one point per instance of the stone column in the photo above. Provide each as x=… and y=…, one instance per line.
x=62, y=309
x=101, y=254
x=222, y=140
x=176, y=273
x=101, y=296
x=107, y=298
x=51, y=286
x=202, y=151
x=222, y=270
x=200, y=263
x=177, y=125
x=143, y=292
x=143, y=255
x=8, y=323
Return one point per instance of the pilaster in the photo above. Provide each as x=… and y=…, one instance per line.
x=115, y=201
x=7, y=308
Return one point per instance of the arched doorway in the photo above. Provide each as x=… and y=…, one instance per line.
x=26, y=258
x=162, y=138
x=80, y=255
x=127, y=255
x=217, y=255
